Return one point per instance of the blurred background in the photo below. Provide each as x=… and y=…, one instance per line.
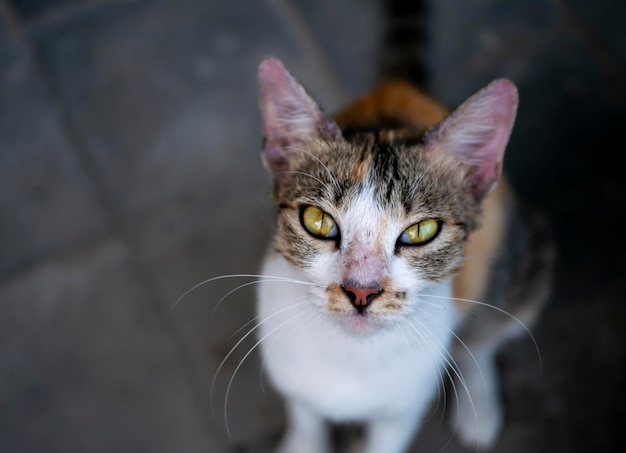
x=130, y=171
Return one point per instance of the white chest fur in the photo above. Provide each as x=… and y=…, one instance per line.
x=343, y=376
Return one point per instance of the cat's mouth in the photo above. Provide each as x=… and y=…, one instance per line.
x=360, y=318
x=361, y=323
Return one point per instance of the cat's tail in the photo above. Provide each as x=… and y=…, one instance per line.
x=400, y=99
x=402, y=53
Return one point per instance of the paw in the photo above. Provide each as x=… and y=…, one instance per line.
x=477, y=420
x=477, y=429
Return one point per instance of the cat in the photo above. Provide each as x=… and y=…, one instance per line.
x=395, y=225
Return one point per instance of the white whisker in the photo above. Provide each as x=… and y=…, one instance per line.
x=456, y=370
x=232, y=378
x=268, y=279
x=440, y=390
x=432, y=347
x=222, y=277
x=504, y=312
x=482, y=376
x=309, y=175
x=330, y=173
x=456, y=398
x=275, y=338
x=416, y=184
x=232, y=350
x=404, y=336
x=432, y=304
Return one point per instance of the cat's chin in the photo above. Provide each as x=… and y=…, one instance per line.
x=358, y=324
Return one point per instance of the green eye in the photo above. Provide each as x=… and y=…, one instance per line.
x=319, y=223
x=420, y=233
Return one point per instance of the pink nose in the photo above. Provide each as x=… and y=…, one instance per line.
x=361, y=297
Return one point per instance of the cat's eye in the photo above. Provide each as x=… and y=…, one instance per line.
x=319, y=223
x=421, y=232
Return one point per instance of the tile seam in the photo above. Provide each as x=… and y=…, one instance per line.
x=115, y=228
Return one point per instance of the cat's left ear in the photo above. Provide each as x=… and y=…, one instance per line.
x=475, y=135
x=289, y=116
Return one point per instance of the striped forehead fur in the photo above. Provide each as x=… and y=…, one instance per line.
x=403, y=174
x=403, y=179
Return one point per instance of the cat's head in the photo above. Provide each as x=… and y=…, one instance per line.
x=375, y=220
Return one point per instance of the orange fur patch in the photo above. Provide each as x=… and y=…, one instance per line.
x=481, y=248
x=393, y=100
x=361, y=168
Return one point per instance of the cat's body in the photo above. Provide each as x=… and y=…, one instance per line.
x=397, y=239
x=383, y=379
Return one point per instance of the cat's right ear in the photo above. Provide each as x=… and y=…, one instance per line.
x=475, y=135
x=289, y=116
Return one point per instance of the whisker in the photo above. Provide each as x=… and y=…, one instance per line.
x=243, y=327
x=309, y=175
x=232, y=378
x=417, y=184
x=482, y=376
x=440, y=390
x=456, y=398
x=330, y=173
x=432, y=304
x=504, y=312
x=232, y=350
x=445, y=355
x=262, y=368
x=454, y=389
x=222, y=277
x=264, y=280
x=456, y=370
x=403, y=334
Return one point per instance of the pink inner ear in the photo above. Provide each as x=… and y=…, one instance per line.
x=283, y=100
x=288, y=113
x=478, y=132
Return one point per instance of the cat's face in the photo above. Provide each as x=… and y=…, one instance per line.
x=376, y=220
x=372, y=219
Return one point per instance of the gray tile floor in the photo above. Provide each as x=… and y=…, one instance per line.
x=130, y=171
